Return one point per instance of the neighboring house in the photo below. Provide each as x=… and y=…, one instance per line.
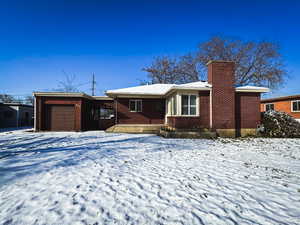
x=216, y=105
x=288, y=104
x=15, y=115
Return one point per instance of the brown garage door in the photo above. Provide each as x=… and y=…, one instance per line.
x=62, y=117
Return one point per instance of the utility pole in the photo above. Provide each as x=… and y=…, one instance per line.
x=93, y=85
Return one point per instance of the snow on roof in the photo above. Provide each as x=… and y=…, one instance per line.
x=159, y=89
x=198, y=84
x=152, y=89
x=62, y=94
x=249, y=88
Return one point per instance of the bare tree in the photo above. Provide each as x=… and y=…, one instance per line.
x=257, y=63
x=68, y=85
x=162, y=70
x=29, y=100
x=172, y=70
x=5, y=98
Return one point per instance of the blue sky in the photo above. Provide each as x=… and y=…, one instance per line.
x=116, y=39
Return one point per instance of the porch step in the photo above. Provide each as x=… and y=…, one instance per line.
x=135, y=128
x=188, y=134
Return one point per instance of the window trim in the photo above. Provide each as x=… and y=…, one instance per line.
x=292, y=110
x=135, y=105
x=178, y=97
x=189, y=106
x=269, y=104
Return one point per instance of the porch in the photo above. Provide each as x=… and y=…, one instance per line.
x=135, y=128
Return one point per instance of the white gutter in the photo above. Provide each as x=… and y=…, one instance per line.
x=63, y=94
x=257, y=90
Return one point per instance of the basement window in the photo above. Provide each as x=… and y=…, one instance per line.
x=296, y=106
x=269, y=106
x=135, y=105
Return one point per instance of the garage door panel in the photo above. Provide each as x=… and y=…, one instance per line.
x=62, y=117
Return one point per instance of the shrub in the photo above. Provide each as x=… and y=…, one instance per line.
x=279, y=124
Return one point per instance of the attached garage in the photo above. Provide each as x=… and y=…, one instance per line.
x=59, y=111
x=61, y=117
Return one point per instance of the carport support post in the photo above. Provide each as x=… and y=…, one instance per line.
x=78, y=116
x=116, y=109
x=18, y=115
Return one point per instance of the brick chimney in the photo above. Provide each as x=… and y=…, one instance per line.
x=221, y=77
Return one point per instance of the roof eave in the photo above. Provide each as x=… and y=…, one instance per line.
x=282, y=98
x=133, y=95
x=62, y=94
x=252, y=90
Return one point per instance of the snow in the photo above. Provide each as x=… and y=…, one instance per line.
x=13, y=129
x=159, y=89
x=152, y=89
x=100, y=178
x=198, y=84
x=163, y=89
x=252, y=88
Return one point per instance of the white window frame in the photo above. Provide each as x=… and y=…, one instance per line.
x=135, y=105
x=269, y=104
x=189, y=105
x=292, y=110
x=178, y=103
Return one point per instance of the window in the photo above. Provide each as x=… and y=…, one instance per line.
x=269, y=106
x=296, y=106
x=135, y=105
x=106, y=113
x=188, y=105
x=174, y=105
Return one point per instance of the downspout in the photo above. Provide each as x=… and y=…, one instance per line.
x=210, y=109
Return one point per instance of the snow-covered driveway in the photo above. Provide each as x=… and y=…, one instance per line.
x=99, y=178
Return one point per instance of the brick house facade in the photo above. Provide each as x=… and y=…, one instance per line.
x=215, y=105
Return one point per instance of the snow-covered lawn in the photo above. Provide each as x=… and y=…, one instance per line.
x=99, y=178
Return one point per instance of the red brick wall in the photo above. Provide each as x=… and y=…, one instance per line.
x=204, y=109
x=283, y=106
x=221, y=76
x=180, y=122
x=149, y=115
x=247, y=110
